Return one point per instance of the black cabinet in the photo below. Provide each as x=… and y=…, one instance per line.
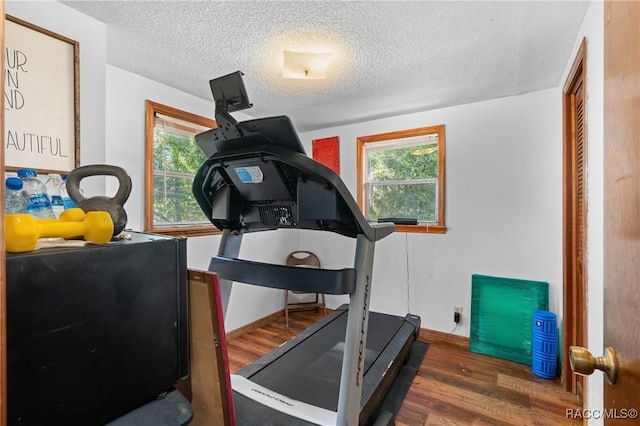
x=94, y=332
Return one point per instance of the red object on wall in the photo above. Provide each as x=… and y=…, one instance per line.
x=327, y=152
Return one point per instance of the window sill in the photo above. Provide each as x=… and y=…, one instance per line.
x=185, y=231
x=422, y=229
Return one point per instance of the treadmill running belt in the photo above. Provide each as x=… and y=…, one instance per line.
x=311, y=372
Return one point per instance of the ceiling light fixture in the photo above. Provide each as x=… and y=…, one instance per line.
x=303, y=65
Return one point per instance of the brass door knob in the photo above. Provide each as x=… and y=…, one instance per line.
x=583, y=363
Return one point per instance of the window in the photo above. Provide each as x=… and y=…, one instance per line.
x=401, y=175
x=172, y=160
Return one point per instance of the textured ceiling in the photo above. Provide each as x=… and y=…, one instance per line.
x=389, y=57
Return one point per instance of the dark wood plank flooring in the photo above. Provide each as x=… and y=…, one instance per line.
x=453, y=386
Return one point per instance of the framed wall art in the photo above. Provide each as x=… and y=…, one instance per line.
x=41, y=99
x=327, y=152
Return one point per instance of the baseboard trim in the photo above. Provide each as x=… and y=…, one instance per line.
x=247, y=328
x=433, y=336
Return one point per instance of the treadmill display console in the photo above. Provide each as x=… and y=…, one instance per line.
x=258, y=177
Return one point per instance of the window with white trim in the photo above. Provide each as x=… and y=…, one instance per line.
x=401, y=175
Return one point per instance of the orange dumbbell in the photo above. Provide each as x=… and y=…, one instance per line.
x=22, y=231
x=69, y=215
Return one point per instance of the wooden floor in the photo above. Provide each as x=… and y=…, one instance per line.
x=452, y=387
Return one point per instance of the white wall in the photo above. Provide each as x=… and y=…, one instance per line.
x=503, y=208
x=593, y=30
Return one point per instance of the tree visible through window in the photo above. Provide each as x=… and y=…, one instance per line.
x=173, y=158
x=401, y=175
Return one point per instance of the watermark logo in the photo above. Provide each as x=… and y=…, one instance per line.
x=611, y=413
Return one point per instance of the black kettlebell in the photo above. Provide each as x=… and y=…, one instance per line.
x=112, y=205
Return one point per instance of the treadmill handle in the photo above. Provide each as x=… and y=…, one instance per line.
x=308, y=280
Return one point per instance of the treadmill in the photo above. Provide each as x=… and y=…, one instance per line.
x=258, y=178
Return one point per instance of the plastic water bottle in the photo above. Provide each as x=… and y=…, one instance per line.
x=39, y=205
x=67, y=202
x=16, y=199
x=53, y=190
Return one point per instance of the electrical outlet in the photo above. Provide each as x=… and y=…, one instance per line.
x=457, y=314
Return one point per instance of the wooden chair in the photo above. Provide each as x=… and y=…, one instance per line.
x=306, y=259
